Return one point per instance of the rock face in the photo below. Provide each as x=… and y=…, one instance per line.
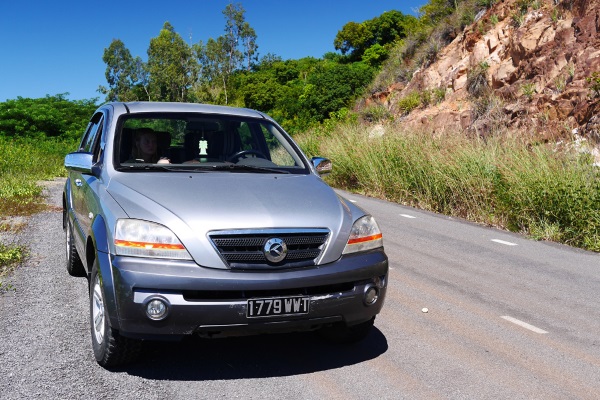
x=539, y=66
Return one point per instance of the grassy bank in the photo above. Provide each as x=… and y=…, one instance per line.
x=23, y=163
x=539, y=190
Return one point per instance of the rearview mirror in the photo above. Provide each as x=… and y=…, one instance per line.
x=322, y=165
x=81, y=162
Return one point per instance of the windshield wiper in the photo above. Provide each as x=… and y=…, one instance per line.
x=159, y=167
x=249, y=168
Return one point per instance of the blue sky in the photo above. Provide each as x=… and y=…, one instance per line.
x=52, y=47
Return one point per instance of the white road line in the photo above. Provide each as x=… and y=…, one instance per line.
x=407, y=216
x=504, y=242
x=524, y=324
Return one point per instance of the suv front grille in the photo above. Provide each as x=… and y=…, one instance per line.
x=246, y=249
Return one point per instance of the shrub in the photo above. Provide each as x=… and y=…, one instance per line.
x=594, y=83
x=409, y=102
x=528, y=89
x=51, y=116
x=376, y=113
x=477, y=83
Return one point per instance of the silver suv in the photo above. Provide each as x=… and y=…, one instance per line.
x=192, y=219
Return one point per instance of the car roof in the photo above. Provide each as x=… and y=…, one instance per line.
x=150, y=106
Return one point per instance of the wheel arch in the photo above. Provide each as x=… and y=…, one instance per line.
x=97, y=250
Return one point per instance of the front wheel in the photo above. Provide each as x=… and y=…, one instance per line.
x=110, y=349
x=341, y=333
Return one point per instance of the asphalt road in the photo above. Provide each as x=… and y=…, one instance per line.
x=507, y=318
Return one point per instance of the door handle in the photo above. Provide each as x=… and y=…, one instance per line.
x=78, y=182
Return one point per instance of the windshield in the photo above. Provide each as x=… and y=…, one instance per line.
x=184, y=142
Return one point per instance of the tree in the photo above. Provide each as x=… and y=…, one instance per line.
x=332, y=87
x=220, y=58
x=122, y=72
x=240, y=38
x=171, y=66
x=435, y=10
x=356, y=38
x=214, y=72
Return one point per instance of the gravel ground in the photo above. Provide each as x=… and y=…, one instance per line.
x=45, y=349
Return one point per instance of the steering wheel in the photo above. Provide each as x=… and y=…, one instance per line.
x=239, y=155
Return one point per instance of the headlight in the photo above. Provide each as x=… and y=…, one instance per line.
x=139, y=238
x=365, y=235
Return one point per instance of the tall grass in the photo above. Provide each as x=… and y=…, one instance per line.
x=23, y=163
x=533, y=189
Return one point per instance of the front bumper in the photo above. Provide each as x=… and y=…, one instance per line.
x=212, y=302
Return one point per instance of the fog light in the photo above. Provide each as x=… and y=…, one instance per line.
x=371, y=295
x=157, y=309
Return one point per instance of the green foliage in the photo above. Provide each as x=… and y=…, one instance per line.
x=356, y=38
x=528, y=89
x=220, y=58
x=409, y=102
x=518, y=16
x=10, y=257
x=376, y=113
x=435, y=10
x=477, y=83
x=331, y=87
x=172, y=68
x=51, y=116
x=467, y=17
x=439, y=94
x=535, y=190
x=560, y=83
x=594, y=83
x=24, y=162
x=375, y=55
x=518, y=19
x=126, y=76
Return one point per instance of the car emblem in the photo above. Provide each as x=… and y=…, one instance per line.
x=275, y=250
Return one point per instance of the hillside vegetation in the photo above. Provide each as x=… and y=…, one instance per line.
x=487, y=110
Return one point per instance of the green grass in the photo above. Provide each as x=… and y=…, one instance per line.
x=10, y=257
x=533, y=189
x=23, y=164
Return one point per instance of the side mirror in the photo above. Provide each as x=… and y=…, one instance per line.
x=322, y=165
x=81, y=162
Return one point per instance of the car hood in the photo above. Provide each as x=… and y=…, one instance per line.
x=194, y=204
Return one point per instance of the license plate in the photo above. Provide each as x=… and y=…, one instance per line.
x=278, y=306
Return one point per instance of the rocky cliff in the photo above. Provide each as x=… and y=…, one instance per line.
x=539, y=60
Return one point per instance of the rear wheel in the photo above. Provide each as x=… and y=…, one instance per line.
x=341, y=333
x=74, y=265
x=110, y=349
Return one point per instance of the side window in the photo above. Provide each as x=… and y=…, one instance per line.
x=90, y=140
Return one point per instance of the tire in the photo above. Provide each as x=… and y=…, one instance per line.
x=110, y=349
x=74, y=265
x=343, y=334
